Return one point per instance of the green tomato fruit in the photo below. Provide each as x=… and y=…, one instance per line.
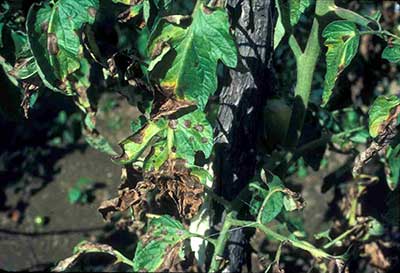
x=277, y=115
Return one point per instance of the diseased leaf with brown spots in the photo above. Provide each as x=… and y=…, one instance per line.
x=161, y=246
x=172, y=139
x=388, y=130
x=379, y=113
x=342, y=39
x=195, y=52
x=173, y=107
x=53, y=36
x=84, y=248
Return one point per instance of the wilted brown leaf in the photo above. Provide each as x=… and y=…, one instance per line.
x=378, y=259
x=388, y=131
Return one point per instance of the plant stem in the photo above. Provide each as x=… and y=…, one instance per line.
x=314, y=251
x=295, y=47
x=305, y=72
x=352, y=16
x=230, y=221
x=380, y=33
x=218, y=198
x=121, y=258
x=320, y=142
x=341, y=237
x=206, y=238
x=221, y=242
x=259, y=216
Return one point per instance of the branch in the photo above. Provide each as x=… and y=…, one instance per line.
x=295, y=47
x=352, y=16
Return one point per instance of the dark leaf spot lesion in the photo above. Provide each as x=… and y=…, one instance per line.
x=92, y=11
x=52, y=44
x=199, y=128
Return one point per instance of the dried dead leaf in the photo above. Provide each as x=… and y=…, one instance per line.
x=378, y=259
x=387, y=133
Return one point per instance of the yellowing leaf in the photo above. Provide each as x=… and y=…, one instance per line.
x=53, y=36
x=342, y=39
x=195, y=51
x=380, y=112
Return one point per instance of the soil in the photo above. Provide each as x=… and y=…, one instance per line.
x=30, y=246
x=25, y=245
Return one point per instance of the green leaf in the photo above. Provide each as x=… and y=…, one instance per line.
x=375, y=228
x=134, y=146
x=380, y=112
x=267, y=204
x=138, y=124
x=74, y=195
x=195, y=52
x=297, y=7
x=25, y=65
x=342, y=39
x=392, y=166
x=203, y=175
x=125, y=2
x=193, y=133
x=279, y=31
x=163, y=245
x=53, y=36
x=392, y=53
x=1, y=34
x=158, y=58
x=323, y=235
x=289, y=203
x=158, y=155
x=84, y=182
x=180, y=138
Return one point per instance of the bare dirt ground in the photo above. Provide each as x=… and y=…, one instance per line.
x=29, y=246
x=25, y=245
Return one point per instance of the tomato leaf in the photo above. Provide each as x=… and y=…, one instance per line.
x=297, y=8
x=195, y=51
x=279, y=31
x=53, y=36
x=342, y=39
x=380, y=112
x=25, y=65
x=392, y=166
x=134, y=146
x=162, y=247
x=392, y=53
x=267, y=204
x=176, y=138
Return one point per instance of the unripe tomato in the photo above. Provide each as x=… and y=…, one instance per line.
x=277, y=115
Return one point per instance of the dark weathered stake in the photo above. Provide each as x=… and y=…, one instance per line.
x=241, y=104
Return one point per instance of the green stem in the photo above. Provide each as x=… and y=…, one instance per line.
x=218, y=198
x=340, y=237
x=259, y=216
x=221, y=242
x=380, y=33
x=230, y=221
x=305, y=72
x=320, y=142
x=314, y=251
x=206, y=238
x=353, y=211
x=352, y=16
x=325, y=139
x=295, y=47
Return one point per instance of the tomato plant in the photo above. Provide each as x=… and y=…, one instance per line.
x=171, y=60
